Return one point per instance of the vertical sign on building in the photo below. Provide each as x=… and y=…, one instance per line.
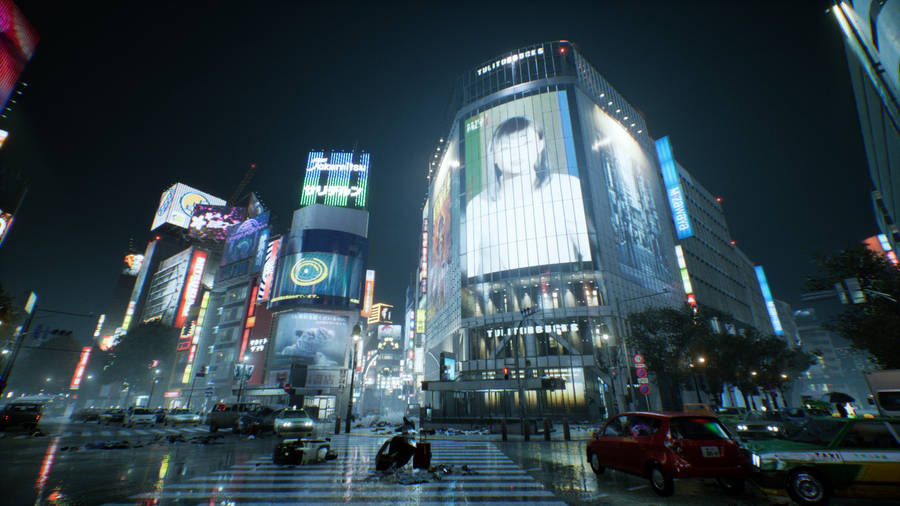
x=673, y=189
x=191, y=287
x=685, y=277
x=369, y=293
x=267, y=278
x=770, y=304
x=423, y=262
x=79, y=369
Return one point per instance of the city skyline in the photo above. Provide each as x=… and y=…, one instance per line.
x=137, y=131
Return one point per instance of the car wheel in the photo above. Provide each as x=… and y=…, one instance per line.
x=807, y=487
x=732, y=486
x=213, y=427
x=661, y=482
x=595, y=464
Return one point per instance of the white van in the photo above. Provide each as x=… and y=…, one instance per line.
x=885, y=387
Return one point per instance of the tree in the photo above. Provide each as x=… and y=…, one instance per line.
x=54, y=359
x=131, y=361
x=874, y=325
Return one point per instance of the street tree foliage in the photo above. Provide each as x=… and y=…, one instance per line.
x=874, y=325
x=11, y=315
x=131, y=361
x=677, y=344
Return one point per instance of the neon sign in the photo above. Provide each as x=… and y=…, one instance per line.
x=770, y=304
x=509, y=60
x=336, y=179
x=79, y=369
x=191, y=288
x=673, y=189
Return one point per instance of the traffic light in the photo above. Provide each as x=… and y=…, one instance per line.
x=506, y=373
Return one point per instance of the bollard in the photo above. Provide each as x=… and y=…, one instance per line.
x=526, y=430
x=567, y=434
x=504, y=431
x=337, y=426
x=546, y=429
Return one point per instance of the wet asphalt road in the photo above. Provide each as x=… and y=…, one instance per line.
x=59, y=469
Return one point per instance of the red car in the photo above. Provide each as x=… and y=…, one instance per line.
x=666, y=446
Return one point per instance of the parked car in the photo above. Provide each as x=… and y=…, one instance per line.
x=181, y=417
x=21, y=414
x=86, y=415
x=140, y=416
x=225, y=415
x=160, y=415
x=256, y=421
x=765, y=424
x=666, y=446
x=831, y=456
x=730, y=415
x=293, y=422
x=114, y=415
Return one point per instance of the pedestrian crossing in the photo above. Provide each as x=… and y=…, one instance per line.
x=492, y=478
x=125, y=432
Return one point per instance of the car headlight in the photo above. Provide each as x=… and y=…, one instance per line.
x=772, y=428
x=308, y=423
x=741, y=427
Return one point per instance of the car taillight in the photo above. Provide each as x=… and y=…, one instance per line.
x=6, y=417
x=38, y=417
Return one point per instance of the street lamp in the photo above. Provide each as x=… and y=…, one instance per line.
x=357, y=337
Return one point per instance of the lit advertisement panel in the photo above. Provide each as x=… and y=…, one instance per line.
x=335, y=179
x=314, y=338
x=211, y=223
x=3, y=135
x=191, y=287
x=132, y=264
x=673, y=189
x=267, y=280
x=176, y=205
x=19, y=41
x=440, y=250
x=523, y=194
x=243, y=239
x=633, y=193
x=321, y=267
x=770, y=304
x=138, y=286
x=6, y=221
x=79, y=369
x=369, y=293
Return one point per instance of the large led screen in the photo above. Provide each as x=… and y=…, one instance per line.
x=439, y=254
x=335, y=179
x=211, y=223
x=314, y=338
x=523, y=194
x=177, y=205
x=322, y=267
x=19, y=41
x=243, y=239
x=632, y=186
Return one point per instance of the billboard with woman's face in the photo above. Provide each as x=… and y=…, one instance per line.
x=524, y=203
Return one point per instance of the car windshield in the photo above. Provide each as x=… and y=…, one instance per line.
x=141, y=411
x=699, y=429
x=31, y=408
x=294, y=413
x=179, y=412
x=761, y=416
x=819, y=432
x=729, y=411
x=889, y=401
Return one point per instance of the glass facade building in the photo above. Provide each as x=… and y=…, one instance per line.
x=546, y=195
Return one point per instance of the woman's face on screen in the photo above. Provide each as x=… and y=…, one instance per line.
x=518, y=152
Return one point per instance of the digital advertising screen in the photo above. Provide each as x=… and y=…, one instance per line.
x=267, y=280
x=243, y=239
x=322, y=267
x=132, y=264
x=6, y=221
x=19, y=42
x=211, y=223
x=313, y=338
x=335, y=178
x=631, y=177
x=439, y=258
x=176, y=205
x=673, y=188
x=524, y=203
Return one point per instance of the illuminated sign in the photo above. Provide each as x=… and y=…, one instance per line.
x=267, y=279
x=99, y=325
x=420, y=321
x=673, y=189
x=176, y=206
x=369, y=293
x=19, y=41
x=556, y=328
x=133, y=263
x=6, y=221
x=685, y=278
x=191, y=287
x=79, y=369
x=423, y=261
x=880, y=244
x=380, y=313
x=3, y=135
x=212, y=222
x=318, y=338
x=243, y=239
x=770, y=304
x=337, y=179
x=509, y=60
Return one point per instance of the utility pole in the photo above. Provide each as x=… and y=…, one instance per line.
x=526, y=313
x=356, y=335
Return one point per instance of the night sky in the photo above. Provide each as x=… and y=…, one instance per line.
x=125, y=100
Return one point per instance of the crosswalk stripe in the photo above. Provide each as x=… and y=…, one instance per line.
x=381, y=496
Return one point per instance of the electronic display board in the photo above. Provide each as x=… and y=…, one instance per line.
x=336, y=178
x=211, y=223
x=176, y=205
x=242, y=242
x=314, y=338
x=19, y=41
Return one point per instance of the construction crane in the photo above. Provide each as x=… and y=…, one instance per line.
x=236, y=196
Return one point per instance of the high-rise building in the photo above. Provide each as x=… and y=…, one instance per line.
x=871, y=32
x=546, y=224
